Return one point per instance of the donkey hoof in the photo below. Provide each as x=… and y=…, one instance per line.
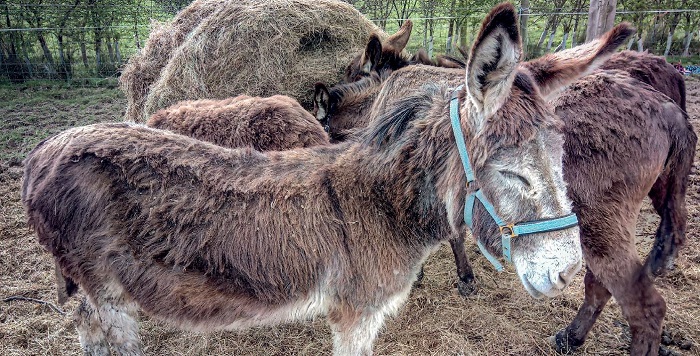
x=419, y=278
x=466, y=289
x=561, y=344
x=665, y=351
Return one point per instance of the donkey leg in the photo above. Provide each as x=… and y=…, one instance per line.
x=354, y=331
x=117, y=319
x=644, y=308
x=466, y=284
x=622, y=273
x=573, y=336
x=89, y=327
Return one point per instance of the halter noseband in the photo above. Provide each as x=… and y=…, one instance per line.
x=508, y=231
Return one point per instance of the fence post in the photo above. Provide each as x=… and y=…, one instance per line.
x=523, y=15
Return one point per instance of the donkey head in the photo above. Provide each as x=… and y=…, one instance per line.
x=380, y=58
x=323, y=106
x=515, y=145
x=345, y=106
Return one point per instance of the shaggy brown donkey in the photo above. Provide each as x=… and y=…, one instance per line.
x=244, y=121
x=347, y=107
x=209, y=238
x=667, y=193
x=630, y=141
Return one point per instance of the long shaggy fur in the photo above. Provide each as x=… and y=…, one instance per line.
x=267, y=124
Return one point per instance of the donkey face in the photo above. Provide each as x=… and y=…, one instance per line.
x=381, y=58
x=345, y=106
x=516, y=151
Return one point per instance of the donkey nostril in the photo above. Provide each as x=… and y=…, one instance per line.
x=569, y=272
x=561, y=279
x=557, y=281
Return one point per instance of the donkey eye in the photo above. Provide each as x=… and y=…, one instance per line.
x=510, y=175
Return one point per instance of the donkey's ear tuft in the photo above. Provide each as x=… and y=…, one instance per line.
x=321, y=101
x=398, y=41
x=372, y=55
x=494, y=59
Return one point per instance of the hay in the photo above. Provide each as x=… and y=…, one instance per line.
x=253, y=47
x=144, y=67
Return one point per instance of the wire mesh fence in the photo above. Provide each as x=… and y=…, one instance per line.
x=75, y=41
x=88, y=41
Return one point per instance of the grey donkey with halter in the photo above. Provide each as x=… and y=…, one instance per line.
x=508, y=230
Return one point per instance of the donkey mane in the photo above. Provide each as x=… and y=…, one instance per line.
x=391, y=125
x=356, y=90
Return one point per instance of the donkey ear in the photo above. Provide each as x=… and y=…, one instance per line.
x=494, y=60
x=321, y=101
x=398, y=41
x=463, y=51
x=373, y=53
x=556, y=70
x=421, y=57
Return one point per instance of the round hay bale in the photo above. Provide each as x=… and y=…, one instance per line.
x=258, y=48
x=144, y=67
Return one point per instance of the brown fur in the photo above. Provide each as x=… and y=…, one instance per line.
x=653, y=70
x=622, y=135
x=243, y=121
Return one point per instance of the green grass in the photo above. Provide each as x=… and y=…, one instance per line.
x=35, y=110
x=694, y=60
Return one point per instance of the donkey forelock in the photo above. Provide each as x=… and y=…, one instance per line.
x=521, y=117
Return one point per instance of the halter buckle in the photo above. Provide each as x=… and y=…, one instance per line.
x=508, y=230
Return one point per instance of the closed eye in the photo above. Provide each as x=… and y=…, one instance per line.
x=510, y=175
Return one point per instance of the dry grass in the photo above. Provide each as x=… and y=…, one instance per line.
x=501, y=319
x=253, y=47
x=144, y=67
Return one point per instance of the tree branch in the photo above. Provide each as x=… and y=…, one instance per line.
x=39, y=301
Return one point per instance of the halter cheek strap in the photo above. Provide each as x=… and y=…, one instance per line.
x=508, y=231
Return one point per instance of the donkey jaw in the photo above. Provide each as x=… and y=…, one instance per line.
x=547, y=270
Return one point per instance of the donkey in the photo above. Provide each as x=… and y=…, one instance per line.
x=617, y=152
x=609, y=171
x=668, y=133
x=345, y=108
x=380, y=57
x=244, y=121
x=208, y=238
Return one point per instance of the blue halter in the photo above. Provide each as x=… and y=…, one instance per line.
x=508, y=231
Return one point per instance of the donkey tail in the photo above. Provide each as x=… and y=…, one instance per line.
x=65, y=286
x=668, y=197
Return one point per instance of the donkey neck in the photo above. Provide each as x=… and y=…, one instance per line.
x=410, y=155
